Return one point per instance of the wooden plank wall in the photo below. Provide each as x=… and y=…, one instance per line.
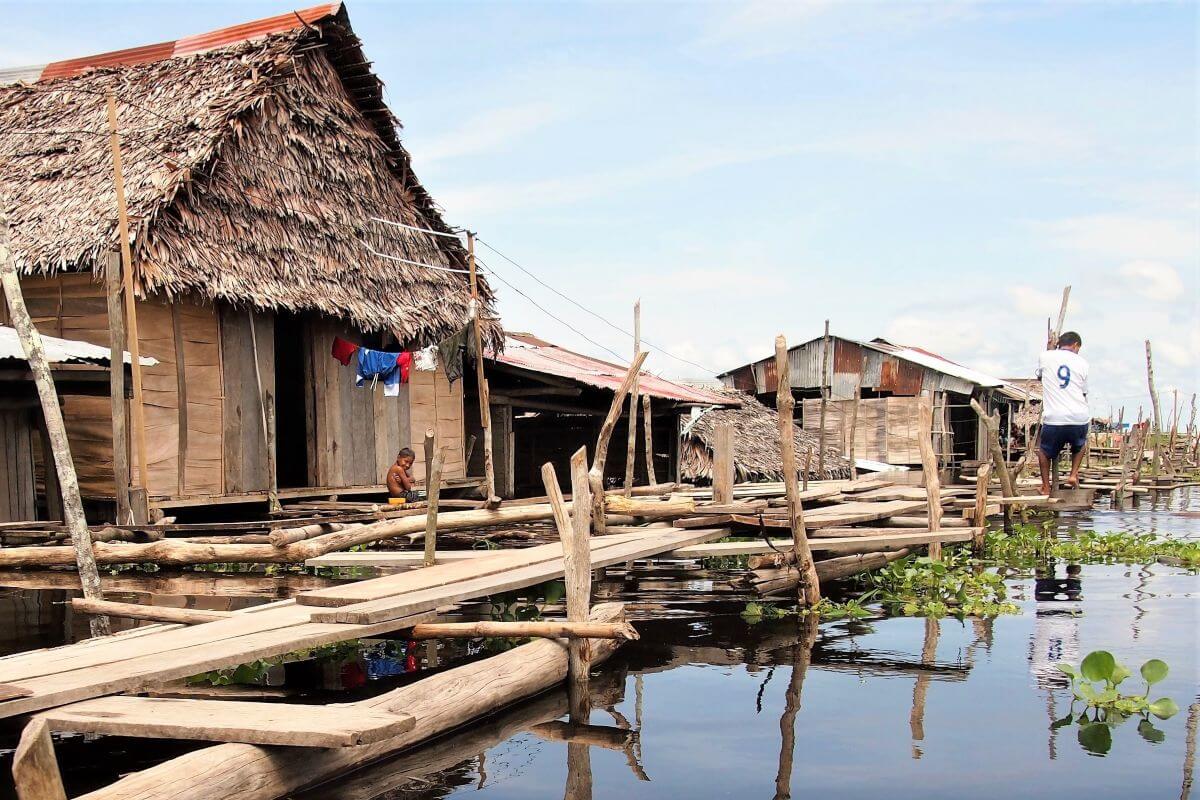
x=434, y=402
x=17, y=498
x=73, y=306
x=355, y=433
x=886, y=429
x=243, y=437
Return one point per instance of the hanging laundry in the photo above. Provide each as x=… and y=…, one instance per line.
x=425, y=359
x=392, y=369
x=450, y=354
x=343, y=351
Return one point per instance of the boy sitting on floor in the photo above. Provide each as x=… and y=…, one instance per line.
x=399, y=476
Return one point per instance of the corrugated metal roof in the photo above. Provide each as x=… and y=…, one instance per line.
x=61, y=351
x=935, y=362
x=188, y=45
x=526, y=351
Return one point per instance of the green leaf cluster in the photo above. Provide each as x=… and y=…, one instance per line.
x=1031, y=544
x=1096, y=682
x=918, y=586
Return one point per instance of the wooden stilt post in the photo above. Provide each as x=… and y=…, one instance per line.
x=853, y=427
x=808, y=457
x=723, y=467
x=35, y=768
x=60, y=449
x=631, y=450
x=574, y=528
x=434, y=457
x=810, y=585
x=992, y=428
x=1156, y=411
x=981, y=493
x=1062, y=320
x=596, y=474
x=916, y=717
x=648, y=424
x=116, y=386
x=266, y=407
x=933, y=485
x=485, y=406
x=825, y=345
x=131, y=325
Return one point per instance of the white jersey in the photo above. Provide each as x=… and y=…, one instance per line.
x=1064, y=376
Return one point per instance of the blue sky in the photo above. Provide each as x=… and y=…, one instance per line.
x=930, y=173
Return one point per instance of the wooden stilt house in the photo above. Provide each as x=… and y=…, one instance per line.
x=271, y=208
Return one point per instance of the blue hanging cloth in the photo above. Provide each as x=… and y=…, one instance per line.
x=378, y=365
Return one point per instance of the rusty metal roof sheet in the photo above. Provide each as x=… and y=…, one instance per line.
x=188, y=45
x=61, y=351
x=526, y=351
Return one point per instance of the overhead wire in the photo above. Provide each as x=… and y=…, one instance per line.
x=598, y=316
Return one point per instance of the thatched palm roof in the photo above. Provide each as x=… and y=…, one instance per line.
x=252, y=172
x=756, y=455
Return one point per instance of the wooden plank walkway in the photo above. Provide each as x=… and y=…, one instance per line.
x=154, y=655
x=335, y=725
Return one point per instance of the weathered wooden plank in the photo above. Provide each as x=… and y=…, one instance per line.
x=227, y=721
x=828, y=545
x=602, y=555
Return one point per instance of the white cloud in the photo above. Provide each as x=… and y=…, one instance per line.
x=1125, y=236
x=488, y=132
x=1154, y=280
x=1031, y=302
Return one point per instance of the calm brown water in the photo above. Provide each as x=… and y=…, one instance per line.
x=723, y=708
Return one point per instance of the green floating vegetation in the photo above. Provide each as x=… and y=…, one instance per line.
x=916, y=586
x=1030, y=544
x=1096, y=682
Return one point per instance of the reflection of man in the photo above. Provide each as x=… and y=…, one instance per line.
x=1055, y=627
x=1065, y=415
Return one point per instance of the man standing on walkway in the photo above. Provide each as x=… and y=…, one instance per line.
x=1065, y=415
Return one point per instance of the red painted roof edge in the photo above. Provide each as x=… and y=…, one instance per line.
x=188, y=45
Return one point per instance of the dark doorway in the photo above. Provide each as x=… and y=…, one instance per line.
x=291, y=434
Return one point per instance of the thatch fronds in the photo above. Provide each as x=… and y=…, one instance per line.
x=756, y=454
x=252, y=173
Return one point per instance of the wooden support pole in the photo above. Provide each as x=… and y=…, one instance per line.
x=808, y=457
x=542, y=629
x=596, y=474
x=434, y=456
x=722, y=464
x=648, y=423
x=266, y=407
x=185, y=616
x=574, y=529
x=1062, y=320
x=992, y=428
x=116, y=385
x=131, y=325
x=181, y=400
x=809, y=588
x=35, y=768
x=1156, y=411
x=854, y=426
x=631, y=449
x=929, y=466
x=825, y=345
x=485, y=405
x=980, y=521
x=60, y=449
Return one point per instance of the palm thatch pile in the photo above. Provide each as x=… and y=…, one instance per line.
x=252, y=171
x=756, y=454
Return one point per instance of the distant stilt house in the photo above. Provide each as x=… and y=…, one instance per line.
x=268, y=195
x=889, y=380
x=548, y=401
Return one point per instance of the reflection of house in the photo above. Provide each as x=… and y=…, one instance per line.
x=547, y=402
x=888, y=379
x=756, y=455
x=79, y=369
x=258, y=160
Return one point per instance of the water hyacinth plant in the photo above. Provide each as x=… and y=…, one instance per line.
x=1096, y=682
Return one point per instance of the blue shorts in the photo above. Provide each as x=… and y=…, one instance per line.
x=1056, y=437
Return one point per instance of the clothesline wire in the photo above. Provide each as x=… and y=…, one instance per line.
x=375, y=252
x=598, y=316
